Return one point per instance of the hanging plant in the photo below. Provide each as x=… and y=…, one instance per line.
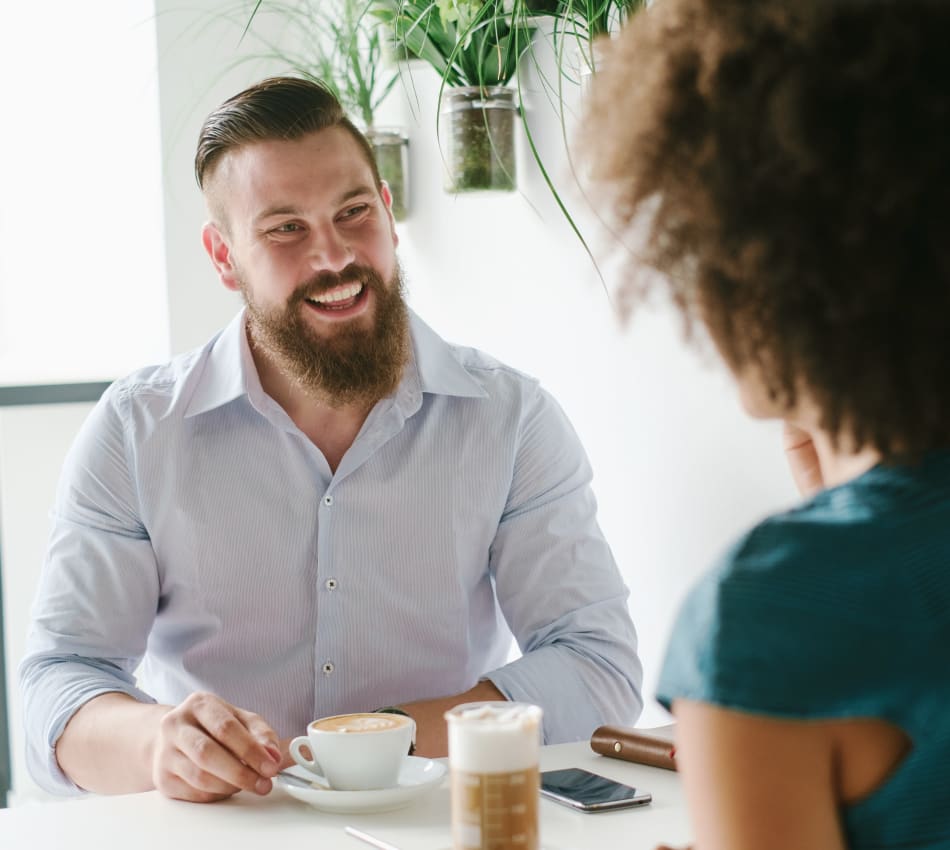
x=587, y=20
x=475, y=47
x=338, y=43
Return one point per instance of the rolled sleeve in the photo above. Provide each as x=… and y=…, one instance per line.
x=560, y=590
x=54, y=689
x=97, y=596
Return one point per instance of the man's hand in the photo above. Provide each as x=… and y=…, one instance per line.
x=207, y=749
x=432, y=740
x=802, y=460
x=203, y=750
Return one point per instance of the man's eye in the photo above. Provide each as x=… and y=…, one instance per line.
x=289, y=227
x=352, y=212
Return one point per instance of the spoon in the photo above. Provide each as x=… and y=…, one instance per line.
x=293, y=779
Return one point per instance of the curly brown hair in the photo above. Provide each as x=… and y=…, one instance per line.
x=789, y=165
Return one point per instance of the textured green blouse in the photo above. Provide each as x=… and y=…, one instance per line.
x=840, y=608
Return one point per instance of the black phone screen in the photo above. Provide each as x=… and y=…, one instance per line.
x=588, y=788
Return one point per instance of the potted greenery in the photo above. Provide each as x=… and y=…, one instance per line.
x=587, y=21
x=337, y=43
x=475, y=46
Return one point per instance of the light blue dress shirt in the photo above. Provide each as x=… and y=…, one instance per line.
x=201, y=542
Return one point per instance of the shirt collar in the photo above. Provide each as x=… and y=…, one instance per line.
x=220, y=382
x=435, y=367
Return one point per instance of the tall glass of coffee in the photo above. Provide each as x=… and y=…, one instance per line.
x=493, y=765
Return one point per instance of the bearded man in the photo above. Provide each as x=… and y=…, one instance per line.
x=325, y=509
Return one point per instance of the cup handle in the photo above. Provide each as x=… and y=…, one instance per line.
x=310, y=764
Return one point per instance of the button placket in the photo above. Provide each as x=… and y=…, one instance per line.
x=328, y=668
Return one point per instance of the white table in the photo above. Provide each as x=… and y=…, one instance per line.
x=279, y=822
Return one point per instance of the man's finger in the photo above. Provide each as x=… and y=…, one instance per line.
x=286, y=759
x=228, y=726
x=181, y=779
x=177, y=789
x=209, y=756
x=263, y=733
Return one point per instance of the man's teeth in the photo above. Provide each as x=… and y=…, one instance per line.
x=341, y=293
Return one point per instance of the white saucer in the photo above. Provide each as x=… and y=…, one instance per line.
x=416, y=777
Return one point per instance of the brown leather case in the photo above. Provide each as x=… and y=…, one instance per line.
x=654, y=747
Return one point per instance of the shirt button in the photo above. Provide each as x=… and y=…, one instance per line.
x=328, y=668
x=328, y=500
x=331, y=584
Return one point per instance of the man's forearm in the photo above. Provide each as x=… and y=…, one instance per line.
x=431, y=730
x=107, y=746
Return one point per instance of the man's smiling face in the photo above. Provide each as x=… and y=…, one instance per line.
x=307, y=237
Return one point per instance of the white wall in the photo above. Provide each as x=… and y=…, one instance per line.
x=80, y=192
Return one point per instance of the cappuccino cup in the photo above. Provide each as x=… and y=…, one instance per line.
x=355, y=752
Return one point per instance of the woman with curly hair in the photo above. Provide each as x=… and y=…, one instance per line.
x=785, y=167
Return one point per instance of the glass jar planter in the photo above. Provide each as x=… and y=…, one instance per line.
x=478, y=138
x=391, y=147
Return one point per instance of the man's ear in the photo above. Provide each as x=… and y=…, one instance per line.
x=388, y=200
x=220, y=252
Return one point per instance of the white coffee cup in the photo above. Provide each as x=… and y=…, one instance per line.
x=356, y=752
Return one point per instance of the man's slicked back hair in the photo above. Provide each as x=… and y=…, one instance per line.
x=278, y=108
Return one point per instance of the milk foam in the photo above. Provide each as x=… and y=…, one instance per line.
x=494, y=737
x=359, y=723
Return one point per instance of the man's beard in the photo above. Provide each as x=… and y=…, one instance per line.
x=348, y=364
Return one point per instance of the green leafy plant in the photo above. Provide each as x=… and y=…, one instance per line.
x=333, y=41
x=602, y=16
x=467, y=42
x=587, y=20
x=475, y=47
x=337, y=43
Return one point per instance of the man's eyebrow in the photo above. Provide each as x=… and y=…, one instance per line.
x=269, y=212
x=355, y=192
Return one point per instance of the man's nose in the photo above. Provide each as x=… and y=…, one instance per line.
x=330, y=251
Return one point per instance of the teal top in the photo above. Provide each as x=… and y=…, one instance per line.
x=840, y=608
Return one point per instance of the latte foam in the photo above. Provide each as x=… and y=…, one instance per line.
x=358, y=723
x=494, y=737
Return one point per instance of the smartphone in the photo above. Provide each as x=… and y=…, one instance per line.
x=589, y=792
